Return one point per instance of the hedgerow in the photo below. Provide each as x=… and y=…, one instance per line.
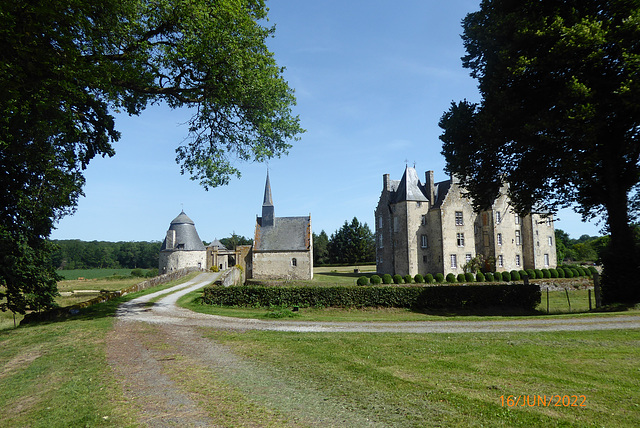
x=414, y=297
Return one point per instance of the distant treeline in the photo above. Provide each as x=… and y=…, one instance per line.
x=76, y=254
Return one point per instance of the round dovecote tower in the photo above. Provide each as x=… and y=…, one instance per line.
x=182, y=247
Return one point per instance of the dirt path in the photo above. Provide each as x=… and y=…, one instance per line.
x=155, y=348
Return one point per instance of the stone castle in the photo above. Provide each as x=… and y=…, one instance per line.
x=282, y=247
x=432, y=228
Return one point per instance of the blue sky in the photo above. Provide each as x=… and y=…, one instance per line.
x=372, y=79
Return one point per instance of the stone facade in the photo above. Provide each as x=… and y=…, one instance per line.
x=432, y=228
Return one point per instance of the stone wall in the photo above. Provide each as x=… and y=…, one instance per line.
x=170, y=261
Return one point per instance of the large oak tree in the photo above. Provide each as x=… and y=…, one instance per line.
x=559, y=118
x=67, y=66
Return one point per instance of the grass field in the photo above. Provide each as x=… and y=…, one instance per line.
x=93, y=273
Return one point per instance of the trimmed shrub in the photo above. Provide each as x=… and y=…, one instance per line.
x=560, y=272
x=439, y=278
x=451, y=278
x=497, y=276
x=568, y=273
x=375, y=280
x=546, y=273
x=593, y=270
x=408, y=279
x=460, y=277
x=413, y=297
x=469, y=277
x=480, y=277
x=387, y=279
x=523, y=273
x=428, y=278
x=553, y=272
x=419, y=279
x=363, y=280
x=506, y=276
x=515, y=275
x=397, y=279
x=489, y=277
x=576, y=272
x=539, y=273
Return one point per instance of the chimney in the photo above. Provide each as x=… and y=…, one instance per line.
x=430, y=186
x=386, y=182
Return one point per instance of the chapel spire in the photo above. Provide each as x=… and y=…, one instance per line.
x=268, y=212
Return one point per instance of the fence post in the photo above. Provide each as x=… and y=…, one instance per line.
x=589, y=299
x=547, y=299
x=596, y=289
x=569, y=301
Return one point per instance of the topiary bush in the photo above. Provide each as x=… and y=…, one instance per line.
x=560, y=272
x=568, y=273
x=539, y=273
x=387, y=279
x=553, y=272
x=451, y=278
x=428, y=278
x=497, y=276
x=375, y=280
x=530, y=273
x=419, y=279
x=506, y=276
x=593, y=270
x=515, y=275
x=546, y=273
x=480, y=277
x=408, y=279
x=397, y=279
x=460, y=277
x=575, y=272
x=469, y=277
x=363, y=280
x=523, y=273
x=488, y=277
x=439, y=278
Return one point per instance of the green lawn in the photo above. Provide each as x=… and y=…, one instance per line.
x=92, y=273
x=417, y=380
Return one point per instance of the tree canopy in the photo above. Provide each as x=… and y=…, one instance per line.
x=559, y=119
x=67, y=66
x=353, y=243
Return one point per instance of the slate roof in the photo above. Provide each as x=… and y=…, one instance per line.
x=187, y=238
x=410, y=188
x=287, y=234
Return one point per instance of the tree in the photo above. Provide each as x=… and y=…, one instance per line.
x=68, y=65
x=559, y=120
x=352, y=243
x=234, y=240
x=320, y=248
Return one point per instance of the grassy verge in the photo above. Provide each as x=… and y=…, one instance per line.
x=74, y=274
x=56, y=374
x=461, y=379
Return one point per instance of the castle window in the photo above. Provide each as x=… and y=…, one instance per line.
x=517, y=259
x=380, y=241
x=459, y=219
x=454, y=261
x=548, y=220
x=498, y=217
x=424, y=219
x=546, y=259
x=550, y=239
x=517, y=217
x=500, y=261
x=423, y=241
x=294, y=262
x=499, y=238
x=419, y=204
x=379, y=222
x=460, y=239
x=467, y=258
x=424, y=259
x=517, y=237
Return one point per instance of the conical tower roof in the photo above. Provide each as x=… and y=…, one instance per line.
x=186, y=236
x=268, y=201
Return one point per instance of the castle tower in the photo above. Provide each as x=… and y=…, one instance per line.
x=182, y=246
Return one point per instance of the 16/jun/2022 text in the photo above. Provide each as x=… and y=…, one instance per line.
x=543, y=400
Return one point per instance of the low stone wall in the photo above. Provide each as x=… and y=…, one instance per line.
x=67, y=311
x=230, y=277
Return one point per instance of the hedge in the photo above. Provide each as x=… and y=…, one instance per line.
x=414, y=297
